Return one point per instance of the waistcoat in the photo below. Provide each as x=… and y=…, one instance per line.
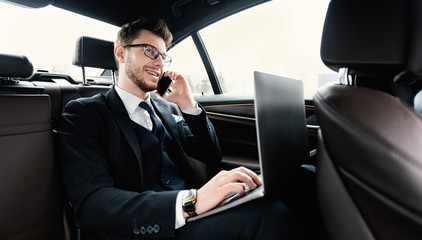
x=160, y=173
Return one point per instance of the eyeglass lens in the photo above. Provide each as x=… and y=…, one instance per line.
x=153, y=53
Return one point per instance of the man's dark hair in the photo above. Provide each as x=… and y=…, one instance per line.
x=130, y=31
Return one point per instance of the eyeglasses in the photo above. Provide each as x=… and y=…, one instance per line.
x=152, y=52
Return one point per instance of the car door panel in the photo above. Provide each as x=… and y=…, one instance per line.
x=234, y=121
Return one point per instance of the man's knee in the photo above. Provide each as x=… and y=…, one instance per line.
x=275, y=220
x=261, y=219
x=276, y=208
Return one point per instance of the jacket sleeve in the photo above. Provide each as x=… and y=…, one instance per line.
x=201, y=139
x=99, y=205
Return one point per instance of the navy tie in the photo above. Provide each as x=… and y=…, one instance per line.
x=158, y=127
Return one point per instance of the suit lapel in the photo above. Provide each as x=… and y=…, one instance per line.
x=122, y=119
x=167, y=118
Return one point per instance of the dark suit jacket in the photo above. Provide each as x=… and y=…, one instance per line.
x=102, y=166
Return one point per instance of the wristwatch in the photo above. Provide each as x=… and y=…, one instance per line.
x=188, y=202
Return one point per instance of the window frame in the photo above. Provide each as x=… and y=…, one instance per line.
x=203, y=53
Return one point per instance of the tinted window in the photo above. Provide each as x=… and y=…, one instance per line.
x=187, y=61
x=279, y=37
x=47, y=36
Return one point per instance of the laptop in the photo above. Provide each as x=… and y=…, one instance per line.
x=282, y=137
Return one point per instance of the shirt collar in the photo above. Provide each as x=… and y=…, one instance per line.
x=130, y=101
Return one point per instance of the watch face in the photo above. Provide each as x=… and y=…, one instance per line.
x=189, y=195
x=189, y=200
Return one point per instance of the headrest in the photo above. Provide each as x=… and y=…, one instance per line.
x=15, y=66
x=366, y=36
x=96, y=53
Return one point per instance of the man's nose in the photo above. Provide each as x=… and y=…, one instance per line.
x=159, y=60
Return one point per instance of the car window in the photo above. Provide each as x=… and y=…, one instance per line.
x=187, y=61
x=268, y=38
x=279, y=37
x=48, y=36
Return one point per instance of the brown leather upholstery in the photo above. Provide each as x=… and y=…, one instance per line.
x=369, y=164
x=369, y=157
x=61, y=92
x=30, y=205
x=33, y=204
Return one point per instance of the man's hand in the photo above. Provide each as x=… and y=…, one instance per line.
x=225, y=182
x=181, y=94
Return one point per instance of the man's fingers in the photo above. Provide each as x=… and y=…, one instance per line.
x=236, y=187
x=225, y=182
x=240, y=175
x=251, y=174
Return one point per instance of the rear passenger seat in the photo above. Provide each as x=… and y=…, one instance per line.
x=89, y=52
x=33, y=204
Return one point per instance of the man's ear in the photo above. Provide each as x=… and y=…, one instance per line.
x=119, y=53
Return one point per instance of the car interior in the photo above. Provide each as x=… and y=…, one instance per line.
x=364, y=133
x=369, y=164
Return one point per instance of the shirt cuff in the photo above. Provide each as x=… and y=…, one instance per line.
x=180, y=220
x=194, y=111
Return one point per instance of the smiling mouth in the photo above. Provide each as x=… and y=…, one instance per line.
x=154, y=74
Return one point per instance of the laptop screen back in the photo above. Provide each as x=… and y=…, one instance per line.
x=281, y=129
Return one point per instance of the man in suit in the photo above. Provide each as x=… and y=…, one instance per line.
x=125, y=163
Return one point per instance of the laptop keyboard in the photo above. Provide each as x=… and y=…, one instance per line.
x=233, y=196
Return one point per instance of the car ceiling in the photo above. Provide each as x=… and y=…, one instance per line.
x=183, y=16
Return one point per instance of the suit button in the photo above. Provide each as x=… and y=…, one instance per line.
x=136, y=230
x=150, y=229
x=156, y=228
x=167, y=181
x=143, y=230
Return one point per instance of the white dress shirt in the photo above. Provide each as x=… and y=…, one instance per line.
x=141, y=117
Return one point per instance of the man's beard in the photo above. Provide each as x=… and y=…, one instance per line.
x=134, y=75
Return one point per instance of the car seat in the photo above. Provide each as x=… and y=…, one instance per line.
x=369, y=157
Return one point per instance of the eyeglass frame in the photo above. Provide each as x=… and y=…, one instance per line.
x=146, y=45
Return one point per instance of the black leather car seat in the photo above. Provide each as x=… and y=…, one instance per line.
x=96, y=53
x=369, y=157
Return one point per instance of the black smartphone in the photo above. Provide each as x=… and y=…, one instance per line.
x=163, y=85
